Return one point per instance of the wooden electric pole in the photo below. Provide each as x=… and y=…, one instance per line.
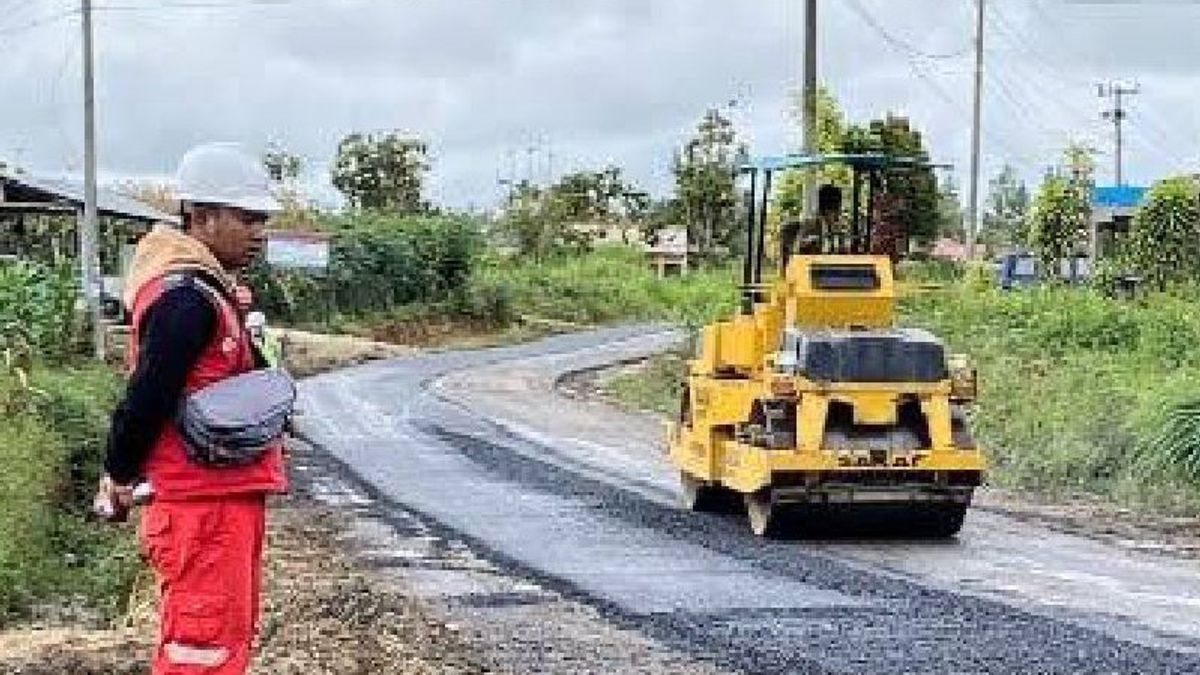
x=973, y=198
x=810, y=103
x=88, y=254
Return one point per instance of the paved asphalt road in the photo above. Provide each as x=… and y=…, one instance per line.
x=580, y=498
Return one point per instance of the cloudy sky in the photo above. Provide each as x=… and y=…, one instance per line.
x=538, y=87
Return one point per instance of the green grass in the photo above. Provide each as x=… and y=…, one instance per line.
x=1079, y=393
x=656, y=387
x=51, y=441
x=611, y=284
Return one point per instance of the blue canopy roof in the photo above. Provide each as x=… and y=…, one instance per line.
x=1118, y=196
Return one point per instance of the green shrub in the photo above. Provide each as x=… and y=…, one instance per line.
x=979, y=275
x=1164, y=240
x=1079, y=392
x=378, y=261
x=611, y=284
x=929, y=271
x=37, y=311
x=51, y=445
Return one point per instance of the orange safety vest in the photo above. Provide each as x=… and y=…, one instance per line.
x=228, y=353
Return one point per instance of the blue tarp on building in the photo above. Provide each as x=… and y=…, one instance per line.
x=1118, y=196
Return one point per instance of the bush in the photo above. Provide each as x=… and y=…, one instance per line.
x=929, y=271
x=378, y=262
x=1079, y=392
x=37, y=311
x=610, y=284
x=1164, y=240
x=51, y=443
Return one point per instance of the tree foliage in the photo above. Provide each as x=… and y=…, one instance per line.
x=1061, y=212
x=915, y=191
x=378, y=261
x=568, y=215
x=705, y=184
x=1055, y=220
x=597, y=196
x=282, y=165
x=950, y=213
x=1005, y=215
x=383, y=171
x=831, y=128
x=1164, y=240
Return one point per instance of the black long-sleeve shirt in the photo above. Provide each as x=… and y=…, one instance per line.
x=174, y=333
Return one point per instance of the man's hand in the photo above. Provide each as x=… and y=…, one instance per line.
x=112, y=501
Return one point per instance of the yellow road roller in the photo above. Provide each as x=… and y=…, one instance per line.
x=810, y=406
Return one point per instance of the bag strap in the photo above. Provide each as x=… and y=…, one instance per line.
x=221, y=302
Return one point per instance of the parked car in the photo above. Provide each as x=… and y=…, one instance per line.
x=1023, y=270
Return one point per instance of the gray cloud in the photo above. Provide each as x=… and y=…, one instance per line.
x=606, y=80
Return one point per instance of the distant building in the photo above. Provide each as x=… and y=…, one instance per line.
x=668, y=255
x=1113, y=207
x=946, y=248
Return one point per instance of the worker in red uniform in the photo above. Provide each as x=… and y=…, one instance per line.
x=203, y=530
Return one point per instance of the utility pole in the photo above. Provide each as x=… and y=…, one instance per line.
x=530, y=151
x=88, y=228
x=1115, y=91
x=973, y=198
x=810, y=103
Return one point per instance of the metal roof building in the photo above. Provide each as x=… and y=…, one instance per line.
x=23, y=194
x=1117, y=196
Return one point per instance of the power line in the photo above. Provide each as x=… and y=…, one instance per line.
x=1014, y=154
x=1040, y=67
x=900, y=43
x=43, y=20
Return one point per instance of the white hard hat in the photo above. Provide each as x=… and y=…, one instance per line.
x=225, y=175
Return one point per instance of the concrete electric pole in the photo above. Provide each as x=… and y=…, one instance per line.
x=810, y=103
x=88, y=227
x=973, y=198
x=1116, y=91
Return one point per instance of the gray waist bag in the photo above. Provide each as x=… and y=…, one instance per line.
x=233, y=422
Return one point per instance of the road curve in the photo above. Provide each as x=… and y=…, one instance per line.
x=578, y=496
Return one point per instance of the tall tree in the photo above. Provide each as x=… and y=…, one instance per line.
x=1005, y=214
x=705, y=182
x=384, y=171
x=831, y=127
x=280, y=164
x=1164, y=240
x=1061, y=211
x=913, y=191
x=950, y=212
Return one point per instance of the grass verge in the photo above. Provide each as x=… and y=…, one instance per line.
x=54, y=565
x=1080, y=394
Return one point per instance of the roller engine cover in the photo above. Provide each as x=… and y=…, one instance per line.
x=897, y=355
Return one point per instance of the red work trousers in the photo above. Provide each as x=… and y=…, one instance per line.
x=207, y=556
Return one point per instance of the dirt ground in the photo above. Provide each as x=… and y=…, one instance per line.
x=322, y=614
x=311, y=353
